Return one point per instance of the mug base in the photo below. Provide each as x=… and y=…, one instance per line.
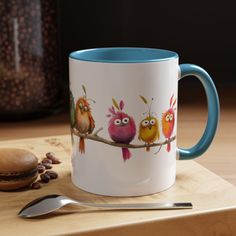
x=135, y=193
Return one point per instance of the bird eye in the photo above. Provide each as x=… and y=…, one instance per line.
x=167, y=117
x=125, y=120
x=80, y=105
x=152, y=122
x=145, y=123
x=171, y=116
x=117, y=122
x=86, y=108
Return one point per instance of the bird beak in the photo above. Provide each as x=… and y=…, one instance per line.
x=149, y=126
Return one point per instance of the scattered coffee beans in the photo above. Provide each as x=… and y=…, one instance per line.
x=46, y=164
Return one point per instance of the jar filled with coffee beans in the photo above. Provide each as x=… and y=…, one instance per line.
x=29, y=61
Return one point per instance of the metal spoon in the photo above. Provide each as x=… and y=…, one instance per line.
x=50, y=203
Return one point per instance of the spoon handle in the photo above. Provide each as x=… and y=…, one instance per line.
x=140, y=206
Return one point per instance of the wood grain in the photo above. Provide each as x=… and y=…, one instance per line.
x=213, y=198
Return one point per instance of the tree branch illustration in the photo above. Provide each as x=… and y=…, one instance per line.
x=96, y=137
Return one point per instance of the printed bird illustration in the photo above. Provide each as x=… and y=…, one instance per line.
x=85, y=123
x=121, y=127
x=72, y=114
x=149, y=127
x=168, y=122
x=72, y=110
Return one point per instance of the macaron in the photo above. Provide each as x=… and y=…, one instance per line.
x=18, y=168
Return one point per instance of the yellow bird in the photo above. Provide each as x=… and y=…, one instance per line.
x=149, y=130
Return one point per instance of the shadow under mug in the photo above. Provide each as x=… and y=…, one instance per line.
x=124, y=119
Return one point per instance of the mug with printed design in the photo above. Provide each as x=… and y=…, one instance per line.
x=124, y=119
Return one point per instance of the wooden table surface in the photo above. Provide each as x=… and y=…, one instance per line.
x=220, y=158
x=213, y=199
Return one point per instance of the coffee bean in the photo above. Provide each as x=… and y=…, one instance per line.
x=56, y=161
x=45, y=178
x=52, y=156
x=47, y=165
x=36, y=185
x=52, y=174
x=46, y=160
x=41, y=168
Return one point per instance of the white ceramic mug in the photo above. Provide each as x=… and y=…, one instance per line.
x=124, y=119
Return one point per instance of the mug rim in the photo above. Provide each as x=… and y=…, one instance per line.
x=123, y=55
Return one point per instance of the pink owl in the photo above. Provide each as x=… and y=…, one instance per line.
x=121, y=127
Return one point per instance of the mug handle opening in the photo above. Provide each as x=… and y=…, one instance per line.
x=213, y=112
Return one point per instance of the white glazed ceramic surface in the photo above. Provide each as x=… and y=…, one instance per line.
x=102, y=169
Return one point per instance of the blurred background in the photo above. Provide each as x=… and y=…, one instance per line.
x=37, y=36
x=201, y=32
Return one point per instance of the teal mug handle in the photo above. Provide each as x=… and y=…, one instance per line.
x=213, y=111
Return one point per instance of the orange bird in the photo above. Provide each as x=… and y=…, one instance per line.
x=85, y=123
x=168, y=122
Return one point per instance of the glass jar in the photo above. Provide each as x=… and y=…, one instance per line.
x=29, y=61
